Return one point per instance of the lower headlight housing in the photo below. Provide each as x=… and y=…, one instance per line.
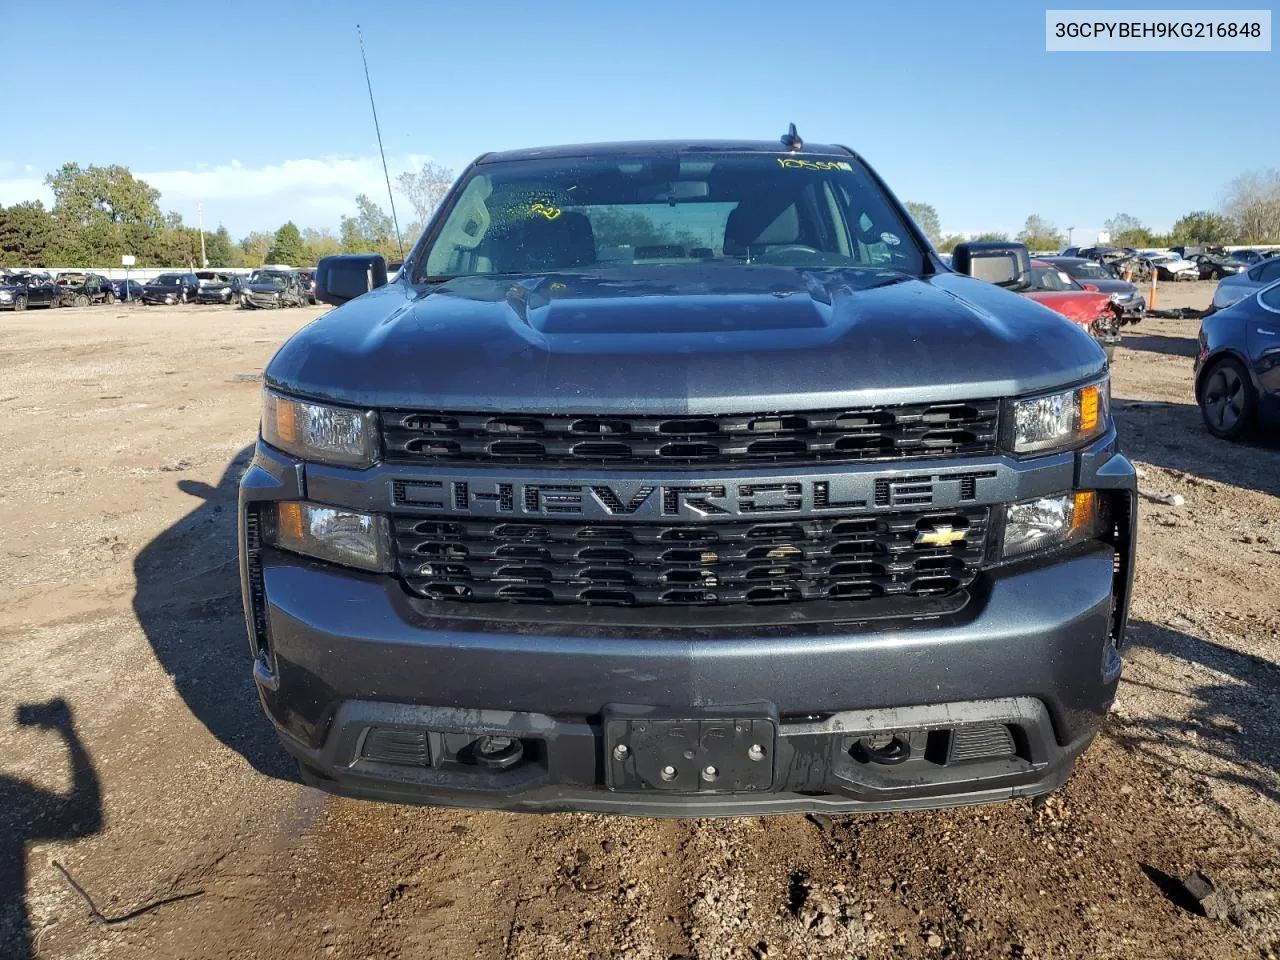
x=1046, y=522
x=348, y=537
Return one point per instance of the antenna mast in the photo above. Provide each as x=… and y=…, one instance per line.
x=378, y=130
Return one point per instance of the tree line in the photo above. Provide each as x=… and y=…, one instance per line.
x=1249, y=214
x=101, y=213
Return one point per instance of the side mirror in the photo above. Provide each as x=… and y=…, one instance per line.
x=998, y=262
x=345, y=277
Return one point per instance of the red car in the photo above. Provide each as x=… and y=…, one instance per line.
x=1085, y=307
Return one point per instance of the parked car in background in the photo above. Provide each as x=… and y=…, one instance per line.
x=218, y=287
x=1170, y=267
x=76, y=289
x=273, y=287
x=20, y=290
x=1091, y=310
x=171, y=288
x=1091, y=275
x=1250, y=256
x=127, y=289
x=1238, y=365
x=1240, y=285
x=308, y=278
x=1215, y=266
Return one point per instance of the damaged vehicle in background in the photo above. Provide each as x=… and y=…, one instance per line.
x=171, y=288
x=20, y=290
x=1168, y=266
x=1215, y=266
x=77, y=289
x=1091, y=310
x=217, y=287
x=308, y=277
x=1091, y=275
x=272, y=288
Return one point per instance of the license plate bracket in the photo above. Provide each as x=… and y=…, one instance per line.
x=689, y=755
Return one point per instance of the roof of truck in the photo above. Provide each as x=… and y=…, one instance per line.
x=632, y=148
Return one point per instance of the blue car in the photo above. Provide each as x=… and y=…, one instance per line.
x=127, y=289
x=1238, y=365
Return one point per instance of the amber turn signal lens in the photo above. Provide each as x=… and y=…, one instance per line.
x=289, y=516
x=1084, y=512
x=1089, y=408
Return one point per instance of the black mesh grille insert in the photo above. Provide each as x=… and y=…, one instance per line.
x=842, y=557
x=821, y=436
x=257, y=591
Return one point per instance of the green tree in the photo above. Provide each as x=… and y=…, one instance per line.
x=219, y=249
x=317, y=244
x=26, y=231
x=1129, y=231
x=1203, y=226
x=995, y=235
x=255, y=247
x=93, y=194
x=1040, y=234
x=369, y=231
x=926, y=218
x=287, y=247
x=950, y=242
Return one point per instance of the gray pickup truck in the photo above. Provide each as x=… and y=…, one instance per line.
x=684, y=479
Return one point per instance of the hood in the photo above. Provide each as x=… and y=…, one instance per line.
x=1109, y=286
x=715, y=339
x=1078, y=306
x=263, y=288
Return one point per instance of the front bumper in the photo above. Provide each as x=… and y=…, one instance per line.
x=1133, y=309
x=1028, y=663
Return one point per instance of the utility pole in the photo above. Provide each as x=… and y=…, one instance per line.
x=1069, y=230
x=204, y=261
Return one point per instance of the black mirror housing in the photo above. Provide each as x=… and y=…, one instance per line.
x=347, y=276
x=999, y=262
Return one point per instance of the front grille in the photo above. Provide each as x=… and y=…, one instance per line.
x=850, y=557
x=845, y=435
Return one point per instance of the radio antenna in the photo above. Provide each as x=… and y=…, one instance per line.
x=378, y=130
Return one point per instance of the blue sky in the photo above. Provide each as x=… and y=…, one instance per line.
x=260, y=110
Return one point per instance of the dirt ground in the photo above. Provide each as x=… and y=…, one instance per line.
x=123, y=432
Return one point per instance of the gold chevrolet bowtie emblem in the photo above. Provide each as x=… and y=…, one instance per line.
x=943, y=535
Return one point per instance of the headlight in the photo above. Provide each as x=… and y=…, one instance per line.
x=1061, y=420
x=5, y=295
x=315, y=431
x=1035, y=525
x=335, y=534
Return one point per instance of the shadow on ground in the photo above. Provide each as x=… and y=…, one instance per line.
x=1173, y=435
x=1234, y=720
x=188, y=603
x=1159, y=343
x=30, y=813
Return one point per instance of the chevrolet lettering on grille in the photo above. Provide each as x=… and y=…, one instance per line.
x=693, y=500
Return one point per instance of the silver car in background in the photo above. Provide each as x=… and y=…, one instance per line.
x=1235, y=288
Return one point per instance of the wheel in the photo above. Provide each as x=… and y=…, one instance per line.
x=82, y=300
x=1227, y=399
x=111, y=298
x=20, y=303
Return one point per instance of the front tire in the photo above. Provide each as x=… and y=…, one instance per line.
x=20, y=303
x=1228, y=401
x=82, y=300
x=110, y=299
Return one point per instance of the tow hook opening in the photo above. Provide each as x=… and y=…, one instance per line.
x=882, y=748
x=496, y=753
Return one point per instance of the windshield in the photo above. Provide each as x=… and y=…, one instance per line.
x=167, y=280
x=269, y=276
x=1089, y=269
x=536, y=216
x=1051, y=278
